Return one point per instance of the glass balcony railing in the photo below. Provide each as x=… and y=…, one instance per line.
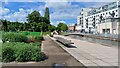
x=103, y=10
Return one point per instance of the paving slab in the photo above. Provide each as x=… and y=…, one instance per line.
x=92, y=54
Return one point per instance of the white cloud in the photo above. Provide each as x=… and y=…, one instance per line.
x=60, y=22
x=57, y=22
x=4, y=11
x=18, y=16
x=64, y=11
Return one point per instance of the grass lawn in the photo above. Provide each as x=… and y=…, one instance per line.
x=28, y=33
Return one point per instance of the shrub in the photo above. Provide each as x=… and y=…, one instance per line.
x=17, y=51
x=35, y=39
x=36, y=44
x=7, y=53
x=38, y=38
x=28, y=53
x=14, y=37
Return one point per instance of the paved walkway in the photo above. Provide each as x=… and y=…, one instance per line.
x=58, y=55
x=91, y=54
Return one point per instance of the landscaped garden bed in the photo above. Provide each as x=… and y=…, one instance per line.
x=21, y=48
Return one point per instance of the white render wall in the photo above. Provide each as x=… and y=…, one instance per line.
x=90, y=18
x=114, y=27
x=105, y=15
x=84, y=14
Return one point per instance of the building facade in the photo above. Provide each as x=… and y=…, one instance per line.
x=112, y=26
x=71, y=27
x=96, y=19
x=81, y=19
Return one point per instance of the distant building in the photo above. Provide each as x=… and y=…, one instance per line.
x=71, y=27
x=98, y=20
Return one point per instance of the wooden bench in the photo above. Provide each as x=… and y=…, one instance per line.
x=64, y=41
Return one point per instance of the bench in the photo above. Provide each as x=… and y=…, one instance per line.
x=64, y=41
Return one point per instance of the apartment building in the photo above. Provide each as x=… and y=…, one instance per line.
x=100, y=17
x=81, y=19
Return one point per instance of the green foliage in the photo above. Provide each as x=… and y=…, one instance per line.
x=47, y=13
x=29, y=33
x=4, y=25
x=38, y=38
x=43, y=19
x=35, y=44
x=21, y=52
x=35, y=39
x=28, y=53
x=35, y=23
x=42, y=26
x=51, y=28
x=7, y=53
x=14, y=37
x=45, y=33
x=62, y=27
x=33, y=17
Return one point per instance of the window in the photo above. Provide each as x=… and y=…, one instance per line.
x=106, y=12
x=118, y=5
x=116, y=10
x=116, y=15
x=82, y=10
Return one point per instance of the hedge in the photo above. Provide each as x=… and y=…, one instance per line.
x=38, y=38
x=14, y=37
x=35, y=39
x=8, y=53
x=36, y=44
x=21, y=52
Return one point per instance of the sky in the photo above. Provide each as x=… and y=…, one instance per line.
x=65, y=12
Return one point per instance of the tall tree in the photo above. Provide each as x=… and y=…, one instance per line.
x=51, y=28
x=4, y=25
x=62, y=27
x=33, y=17
x=47, y=13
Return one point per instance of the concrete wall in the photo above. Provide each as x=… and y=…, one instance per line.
x=113, y=26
